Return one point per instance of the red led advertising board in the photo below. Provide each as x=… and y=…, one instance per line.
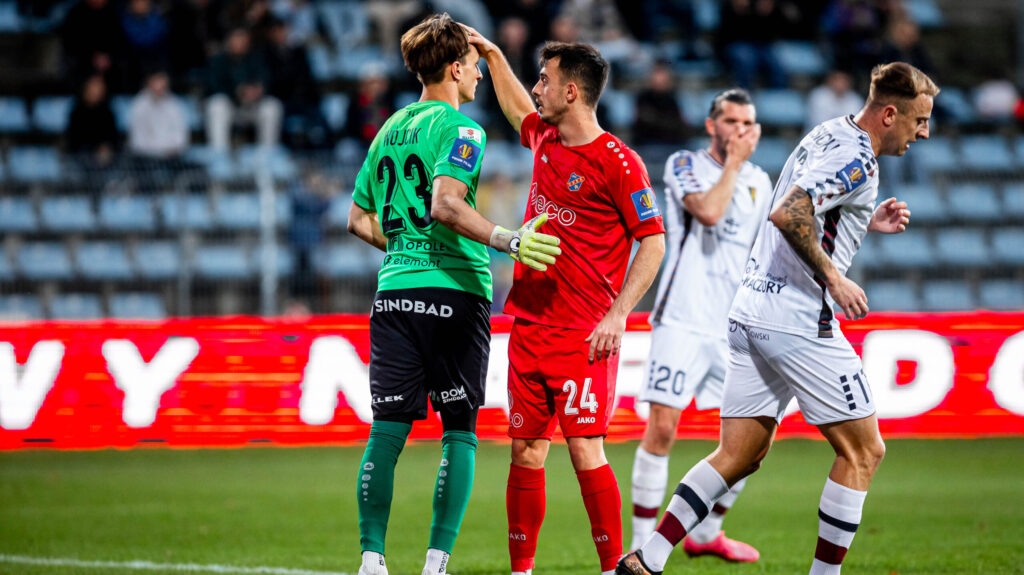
x=225, y=382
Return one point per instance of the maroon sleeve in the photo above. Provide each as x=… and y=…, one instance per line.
x=528, y=131
x=634, y=196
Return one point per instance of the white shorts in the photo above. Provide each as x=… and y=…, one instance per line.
x=768, y=368
x=683, y=365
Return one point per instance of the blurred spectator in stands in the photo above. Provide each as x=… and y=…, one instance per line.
x=855, y=28
x=301, y=18
x=237, y=87
x=903, y=44
x=995, y=100
x=747, y=33
x=391, y=18
x=92, y=40
x=253, y=15
x=310, y=199
x=292, y=83
x=536, y=14
x=371, y=106
x=91, y=135
x=146, y=32
x=564, y=29
x=600, y=23
x=158, y=133
x=836, y=97
x=513, y=35
x=157, y=126
x=193, y=31
x=659, y=120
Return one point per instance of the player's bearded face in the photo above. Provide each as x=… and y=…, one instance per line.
x=549, y=94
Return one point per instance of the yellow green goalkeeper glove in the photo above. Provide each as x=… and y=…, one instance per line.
x=526, y=245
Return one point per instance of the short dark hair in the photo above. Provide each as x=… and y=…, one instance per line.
x=430, y=46
x=734, y=95
x=897, y=83
x=580, y=63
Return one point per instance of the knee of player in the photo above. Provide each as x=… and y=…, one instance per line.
x=875, y=453
x=529, y=454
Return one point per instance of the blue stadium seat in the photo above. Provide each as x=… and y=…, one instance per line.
x=1013, y=202
x=867, y=257
x=17, y=215
x=13, y=116
x=50, y=114
x=403, y=99
x=158, y=260
x=1002, y=295
x=67, y=213
x=1008, y=246
x=962, y=247
x=276, y=159
x=44, y=261
x=76, y=306
x=799, y=58
x=911, y=250
x=925, y=12
x=926, y=203
x=514, y=161
x=337, y=211
x=282, y=209
x=237, y=210
x=706, y=14
x=936, y=154
x=193, y=115
x=223, y=262
x=137, y=305
x=347, y=23
x=334, y=108
x=771, y=153
x=20, y=307
x=6, y=268
x=355, y=63
x=103, y=261
x=10, y=20
x=121, y=106
x=344, y=259
x=988, y=152
x=891, y=295
x=781, y=108
x=320, y=65
x=695, y=105
x=947, y=295
x=621, y=107
x=975, y=202
x=195, y=209
x=955, y=104
x=127, y=213
x=34, y=164
x=219, y=164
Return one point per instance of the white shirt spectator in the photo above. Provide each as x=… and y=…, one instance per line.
x=157, y=127
x=832, y=99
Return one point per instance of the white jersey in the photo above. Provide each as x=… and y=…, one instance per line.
x=704, y=264
x=835, y=164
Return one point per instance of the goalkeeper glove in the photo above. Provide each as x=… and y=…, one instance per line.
x=526, y=245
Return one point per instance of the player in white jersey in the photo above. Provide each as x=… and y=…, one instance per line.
x=783, y=339
x=715, y=201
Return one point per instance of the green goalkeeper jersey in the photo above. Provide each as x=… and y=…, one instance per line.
x=418, y=143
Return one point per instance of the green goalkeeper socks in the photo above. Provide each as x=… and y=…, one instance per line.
x=451, y=492
x=377, y=481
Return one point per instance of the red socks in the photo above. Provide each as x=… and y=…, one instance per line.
x=524, y=503
x=601, y=497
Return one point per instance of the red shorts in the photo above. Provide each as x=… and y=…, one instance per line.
x=549, y=376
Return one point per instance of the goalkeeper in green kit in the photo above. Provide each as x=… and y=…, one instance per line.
x=430, y=334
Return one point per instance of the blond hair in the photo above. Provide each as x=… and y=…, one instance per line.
x=898, y=83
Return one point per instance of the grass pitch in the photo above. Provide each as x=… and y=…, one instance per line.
x=936, y=507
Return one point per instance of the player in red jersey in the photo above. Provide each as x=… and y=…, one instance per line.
x=569, y=322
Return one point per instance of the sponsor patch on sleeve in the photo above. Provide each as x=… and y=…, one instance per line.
x=464, y=154
x=853, y=175
x=682, y=163
x=645, y=203
x=472, y=134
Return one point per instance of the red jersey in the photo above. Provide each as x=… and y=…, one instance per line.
x=598, y=198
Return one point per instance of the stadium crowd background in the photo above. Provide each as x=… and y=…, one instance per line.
x=195, y=157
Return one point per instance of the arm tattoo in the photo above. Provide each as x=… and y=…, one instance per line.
x=798, y=229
